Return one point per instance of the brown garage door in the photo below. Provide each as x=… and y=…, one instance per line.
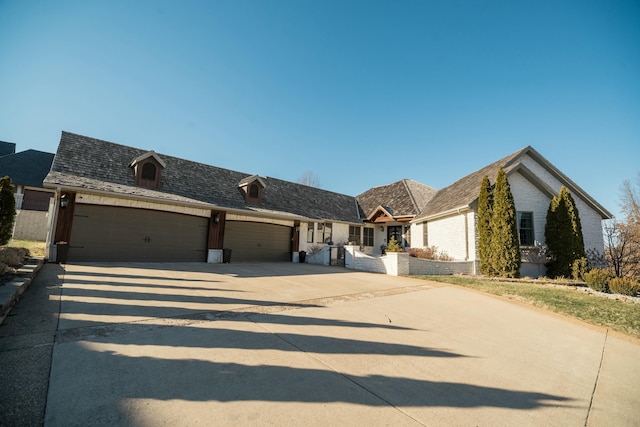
x=255, y=241
x=105, y=233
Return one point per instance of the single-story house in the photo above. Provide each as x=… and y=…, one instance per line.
x=27, y=170
x=119, y=203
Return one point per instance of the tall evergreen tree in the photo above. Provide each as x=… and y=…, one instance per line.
x=563, y=234
x=505, y=246
x=7, y=210
x=485, y=209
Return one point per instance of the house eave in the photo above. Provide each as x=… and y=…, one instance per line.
x=455, y=211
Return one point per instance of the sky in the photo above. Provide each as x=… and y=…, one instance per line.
x=360, y=93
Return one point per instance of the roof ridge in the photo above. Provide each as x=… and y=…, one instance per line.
x=411, y=197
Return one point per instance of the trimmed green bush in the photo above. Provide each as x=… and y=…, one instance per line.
x=7, y=210
x=505, y=245
x=563, y=234
x=393, y=246
x=624, y=286
x=598, y=279
x=485, y=209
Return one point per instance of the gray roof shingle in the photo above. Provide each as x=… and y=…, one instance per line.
x=26, y=167
x=401, y=198
x=93, y=164
x=465, y=191
x=7, y=148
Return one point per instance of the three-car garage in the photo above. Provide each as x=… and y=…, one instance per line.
x=110, y=234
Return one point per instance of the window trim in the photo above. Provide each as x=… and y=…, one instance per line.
x=356, y=236
x=365, y=238
x=322, y=232
x=310, y=231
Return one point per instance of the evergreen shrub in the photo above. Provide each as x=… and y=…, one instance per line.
x=579, y=268
x=393, y=246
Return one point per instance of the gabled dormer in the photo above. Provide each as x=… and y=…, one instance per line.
x=148, y=169
x=251, y=188
x=381, y=214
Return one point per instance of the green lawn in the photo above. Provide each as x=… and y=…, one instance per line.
x=617, y=315
x=36, y=248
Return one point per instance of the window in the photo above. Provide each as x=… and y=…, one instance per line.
x=310, y=232
x=324, y=232
x=525, y=227
x=354, y=234
x=254, y=191
x=425, y=235
x=367, y=236
x=149, y=171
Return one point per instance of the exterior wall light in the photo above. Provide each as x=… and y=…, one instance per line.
x=64, y=201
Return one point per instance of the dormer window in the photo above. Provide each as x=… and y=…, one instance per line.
x=251, y=188
x=149, y=172
x=254, y=191
x=148, y=169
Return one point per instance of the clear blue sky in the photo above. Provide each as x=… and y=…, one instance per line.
x=362, y=93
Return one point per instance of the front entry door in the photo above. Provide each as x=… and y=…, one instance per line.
x=394, y=231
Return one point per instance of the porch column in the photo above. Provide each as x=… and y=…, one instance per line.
x=66, y=207
x=216, y=236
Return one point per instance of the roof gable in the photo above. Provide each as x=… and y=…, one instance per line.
x=401, y=199
x=464, y=192
x=145, y=156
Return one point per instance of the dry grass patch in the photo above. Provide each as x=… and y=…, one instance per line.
x=35, y=247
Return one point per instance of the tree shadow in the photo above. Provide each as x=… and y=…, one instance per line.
x=209, y=367
x=239, y=269
x=206, y=381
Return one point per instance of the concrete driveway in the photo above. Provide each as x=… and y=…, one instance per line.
x=297, y=344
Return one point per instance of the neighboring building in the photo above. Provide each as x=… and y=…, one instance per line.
x=119, y=203
x=27, y=170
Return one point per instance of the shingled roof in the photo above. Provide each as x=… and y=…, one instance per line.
x=464, y=192
x=26, y=167
x=87, y=163
x=7, y=148
x=401, y=198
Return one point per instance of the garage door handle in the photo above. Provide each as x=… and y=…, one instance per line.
x=146, y=239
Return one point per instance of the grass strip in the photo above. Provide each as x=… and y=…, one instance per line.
x=620, y=316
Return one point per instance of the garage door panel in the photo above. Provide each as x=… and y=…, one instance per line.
x=255, y=241
x=105, y=233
